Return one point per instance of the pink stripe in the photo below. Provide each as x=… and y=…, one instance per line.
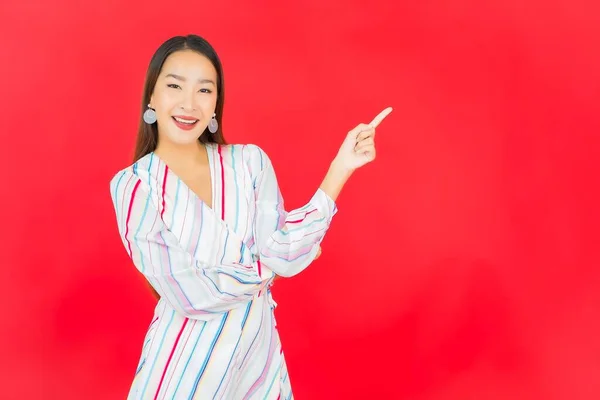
x=170, y=356
x=300, y=220
x=163, y=191
x=222, y=184
x=181, y=352
x=129, y=216
x=263, y=375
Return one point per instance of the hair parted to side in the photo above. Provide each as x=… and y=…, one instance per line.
x=147, y=137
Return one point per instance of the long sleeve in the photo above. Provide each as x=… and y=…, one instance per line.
x=287, y=241
x=191, y=288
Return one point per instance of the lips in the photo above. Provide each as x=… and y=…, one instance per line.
x=184, y=122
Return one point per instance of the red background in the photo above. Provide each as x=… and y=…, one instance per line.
x=463, y=263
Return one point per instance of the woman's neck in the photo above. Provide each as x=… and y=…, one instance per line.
x=183, y=157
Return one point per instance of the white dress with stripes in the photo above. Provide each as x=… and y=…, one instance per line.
x=213, y=334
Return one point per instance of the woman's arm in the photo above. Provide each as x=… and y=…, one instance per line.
x=289, y=242
x=192, y=289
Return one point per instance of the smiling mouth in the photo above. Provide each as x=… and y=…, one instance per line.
x=185, y=121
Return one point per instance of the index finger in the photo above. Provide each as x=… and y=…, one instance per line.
x=377, y=120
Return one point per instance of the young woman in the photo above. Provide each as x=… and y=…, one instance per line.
x=205, y=224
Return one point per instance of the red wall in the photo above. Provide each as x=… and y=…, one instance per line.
x=463, y=263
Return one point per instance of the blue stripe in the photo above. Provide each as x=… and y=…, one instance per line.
x=260, y=173
x=229, y=363
x=274, y=377
x=136, y=235
x=193, y=223
x=265, y=366
x=209, y=353
x=237, y=271
x=302, y=226
x=246, y=314
x=162, y=233
x=201, y=224
x=304, y=207
x=150, y=174
x=239, y=279
x=242, y=250
x=176, y=201
x=225, y=246
x=146, y=343
x=168, y=248
x=139, y=368
x=156, y=353
x=222, y=292
x=258, y=331
x=192, y=353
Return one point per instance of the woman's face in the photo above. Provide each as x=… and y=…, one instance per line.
x=184, y=97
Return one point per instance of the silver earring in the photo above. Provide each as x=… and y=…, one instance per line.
x=150, y=116
x=213, y=125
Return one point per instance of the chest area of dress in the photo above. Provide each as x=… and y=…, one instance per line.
x=225, y=226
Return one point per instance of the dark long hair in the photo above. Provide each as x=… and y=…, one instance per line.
x=147, y=137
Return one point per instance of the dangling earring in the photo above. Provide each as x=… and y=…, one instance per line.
x=150, y=116
x=213, y=125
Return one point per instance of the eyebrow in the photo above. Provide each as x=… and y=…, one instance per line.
x=181, y=78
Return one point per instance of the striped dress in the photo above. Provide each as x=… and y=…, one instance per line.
x=213, y=334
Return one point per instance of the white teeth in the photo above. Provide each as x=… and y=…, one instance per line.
x=185, y=121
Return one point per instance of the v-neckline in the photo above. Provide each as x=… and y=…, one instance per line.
x=211, y=173
x=216, y=182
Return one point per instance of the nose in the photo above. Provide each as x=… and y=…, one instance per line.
x=188, y=103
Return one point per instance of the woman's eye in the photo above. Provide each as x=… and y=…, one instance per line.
x=205, y=91
x=173, y=85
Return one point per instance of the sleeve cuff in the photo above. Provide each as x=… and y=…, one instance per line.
x=325, y=204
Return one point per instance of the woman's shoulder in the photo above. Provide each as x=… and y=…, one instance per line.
x=145, y=170
x=251, y=154
x=146, y=165
x=251, y=149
